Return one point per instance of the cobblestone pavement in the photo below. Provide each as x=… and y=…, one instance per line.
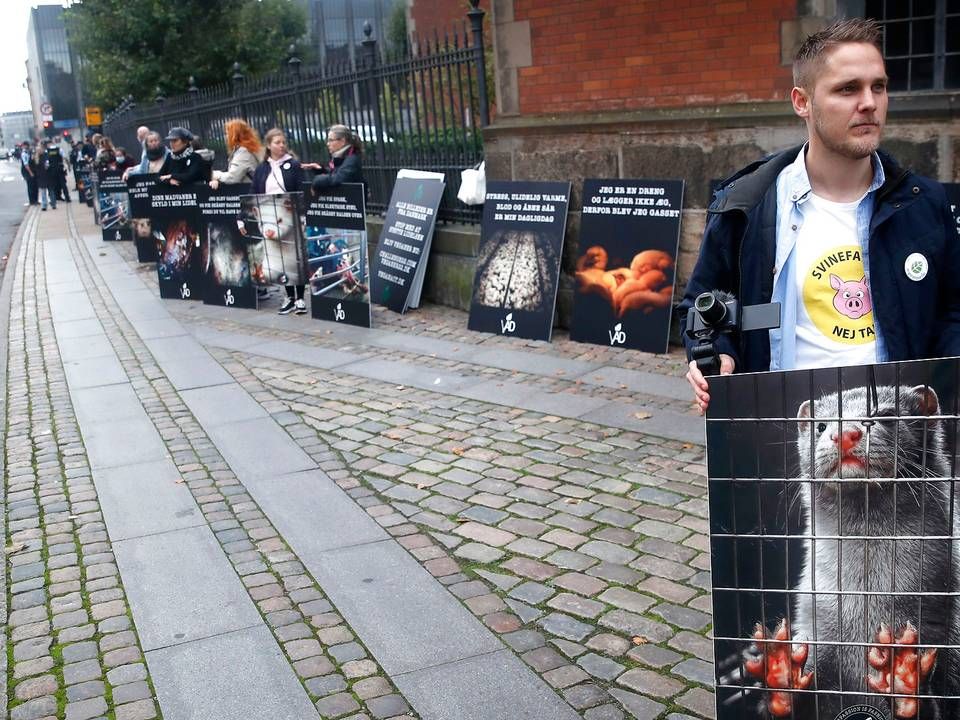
x=583, y=547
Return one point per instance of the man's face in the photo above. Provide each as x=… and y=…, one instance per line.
x=847, y=110
x=153, y=142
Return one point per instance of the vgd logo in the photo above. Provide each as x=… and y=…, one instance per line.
x=184, y=291
x=228, y=298
x=117, y=236
x=507, y=325
x=338, y=313
x=617, y=335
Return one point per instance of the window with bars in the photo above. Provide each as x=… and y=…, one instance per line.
x=921, y=42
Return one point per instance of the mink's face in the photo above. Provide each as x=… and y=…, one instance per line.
x=871, y=441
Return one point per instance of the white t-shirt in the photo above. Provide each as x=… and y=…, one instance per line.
x=835, y=324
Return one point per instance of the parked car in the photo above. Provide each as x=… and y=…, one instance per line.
x=368, y=133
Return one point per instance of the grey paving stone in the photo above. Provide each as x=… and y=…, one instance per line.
x=131, y=692
x=335, y=706
x=94, y=372
x=422, y=625
x=156, y=568
x=654, y=655
x=221, y=404
x=682, y=616
x=565, y=626
x=85, y=691
x=532, y=592
x=607, y=552
x=194, y=683
x=477, y=552
x=461, y=690
x=145, y=499
x=114, y=402
x=633, y=624
x=127, y=674
x=113, y=443
x=326, y=685
x=695, y=670
x=74, y=673
x=387, y=706
x=309, y=507
x=599, y=666
x=585, y=695
x=274, y=452
x=34, y=709
x=195, y=372
x=638, y=706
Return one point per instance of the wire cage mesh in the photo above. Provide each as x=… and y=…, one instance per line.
x=834, y=540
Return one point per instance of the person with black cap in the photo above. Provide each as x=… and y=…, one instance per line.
x=184, y=166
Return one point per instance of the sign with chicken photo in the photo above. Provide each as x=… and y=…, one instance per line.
x=625, y=271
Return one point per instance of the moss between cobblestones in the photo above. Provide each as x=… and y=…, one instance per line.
x=469, y=569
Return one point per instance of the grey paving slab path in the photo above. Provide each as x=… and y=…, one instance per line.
x=407, y=619
x=208, y=650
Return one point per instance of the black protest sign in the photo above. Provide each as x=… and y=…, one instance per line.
x=626, y=265
x=177, y=228
x=518, y=265
x=953, y=197
x=274, y=226
x=113, y=204
x=223, y=248
x=337, y=255
x=404, y=246
x=835, y=541
x=138, y=188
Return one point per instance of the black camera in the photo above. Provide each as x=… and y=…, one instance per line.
x=715, y=313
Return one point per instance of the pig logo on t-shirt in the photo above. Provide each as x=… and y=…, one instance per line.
x=853, y=297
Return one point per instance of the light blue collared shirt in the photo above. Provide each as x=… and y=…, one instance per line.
x=793, y=189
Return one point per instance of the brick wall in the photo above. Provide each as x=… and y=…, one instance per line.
x=429, y=16
x=627, y=55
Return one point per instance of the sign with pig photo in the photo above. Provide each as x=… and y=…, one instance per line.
x=835, y=541
x=625, y=271
x=226, y=263
x=274, y=226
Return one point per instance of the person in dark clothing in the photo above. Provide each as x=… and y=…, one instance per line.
x=43, y=177
x=774, y=224
x=344, y=166
x=56, y=173
x=28, y=169
x=123, y=159
x=184, y=166
x=280, y=172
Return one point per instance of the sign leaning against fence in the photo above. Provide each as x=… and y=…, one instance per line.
x=138, y=188
x=629, y=235
x=518, y=264
x=175, y=218
x=223, y=249
x=835, y=541
x=337, y=254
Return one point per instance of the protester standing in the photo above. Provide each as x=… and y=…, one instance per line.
x=28, y=169
x=344, y=165
x=155, y=154
x=43, y=177
x=245, y=150
x=279, y=173
x=184, y=166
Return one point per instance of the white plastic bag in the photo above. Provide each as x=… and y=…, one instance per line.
x=473, y=185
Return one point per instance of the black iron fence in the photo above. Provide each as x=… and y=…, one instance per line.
x=419, y=107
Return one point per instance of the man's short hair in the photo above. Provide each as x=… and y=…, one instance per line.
x=814, y=49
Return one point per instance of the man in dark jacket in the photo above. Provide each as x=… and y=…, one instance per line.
x=860, y=253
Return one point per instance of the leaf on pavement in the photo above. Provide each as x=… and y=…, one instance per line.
x=642, y=415
x=458, y=451
x=639, y=640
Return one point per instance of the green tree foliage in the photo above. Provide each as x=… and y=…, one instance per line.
x=131, y=47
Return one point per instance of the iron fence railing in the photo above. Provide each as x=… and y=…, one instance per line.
x=420, y=107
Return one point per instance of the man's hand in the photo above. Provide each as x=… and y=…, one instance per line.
x=699, y=383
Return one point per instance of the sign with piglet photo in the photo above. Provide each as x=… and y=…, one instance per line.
x=835, y=542
x=626, y=263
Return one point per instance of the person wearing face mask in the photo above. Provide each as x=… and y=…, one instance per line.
x=154, y=155
x=123, y=160
x=184, y=165
x=281, y=172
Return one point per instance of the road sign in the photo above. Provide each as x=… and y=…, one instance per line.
x=46, y=109
x=94, y=115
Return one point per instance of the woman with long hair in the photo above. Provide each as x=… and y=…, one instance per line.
x=280, y=172
x=243, y=144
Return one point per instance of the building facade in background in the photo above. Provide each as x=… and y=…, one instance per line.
x=50, y=73
x=15, y=127
x=335, y=27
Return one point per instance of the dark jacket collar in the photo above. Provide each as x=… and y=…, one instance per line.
x=744, y=190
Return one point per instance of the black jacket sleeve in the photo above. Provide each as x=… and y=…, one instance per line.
x=194, y=171
x=349, y=171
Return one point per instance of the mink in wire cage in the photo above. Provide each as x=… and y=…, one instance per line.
x=275, y=226
x=835, y=542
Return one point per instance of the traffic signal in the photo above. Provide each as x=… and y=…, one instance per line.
x=66, y=133
x=47, y=124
